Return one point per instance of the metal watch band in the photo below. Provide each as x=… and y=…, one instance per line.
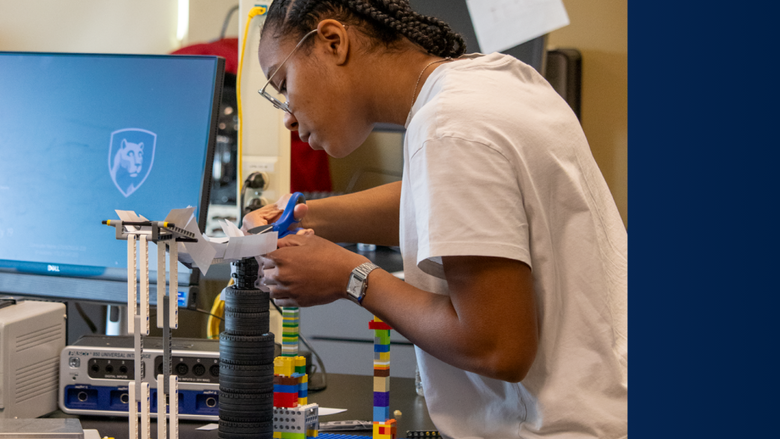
x=360, y=275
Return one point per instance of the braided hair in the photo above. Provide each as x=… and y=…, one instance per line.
x=385, y=21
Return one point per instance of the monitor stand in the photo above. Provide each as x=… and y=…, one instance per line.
x=115, y=320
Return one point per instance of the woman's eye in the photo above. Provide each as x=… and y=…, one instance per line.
x=283, y=87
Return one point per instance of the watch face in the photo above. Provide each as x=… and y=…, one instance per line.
x=353, y=288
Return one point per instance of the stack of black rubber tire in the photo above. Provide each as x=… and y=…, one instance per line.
x=246, y=359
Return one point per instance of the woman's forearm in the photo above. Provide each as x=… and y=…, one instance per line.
x=369, y=216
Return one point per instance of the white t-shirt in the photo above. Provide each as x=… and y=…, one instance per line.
x=496, y=164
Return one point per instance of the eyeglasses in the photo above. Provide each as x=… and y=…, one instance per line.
x=276, y=102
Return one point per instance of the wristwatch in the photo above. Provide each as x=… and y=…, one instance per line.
x=358, y=282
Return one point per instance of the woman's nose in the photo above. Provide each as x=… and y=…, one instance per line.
x=290, y=121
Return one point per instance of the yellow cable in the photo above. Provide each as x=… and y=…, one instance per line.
x=215, y=315
x=218, y=307
x=254, y=12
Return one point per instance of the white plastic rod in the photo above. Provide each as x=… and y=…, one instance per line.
x=145, y=416
x=173, y=406
x=162, y=408
x=132, y=411
x=131, y=284
x=144, y=249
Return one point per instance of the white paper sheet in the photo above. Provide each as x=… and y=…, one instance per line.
x=503, y=24
x=207, y=251
x=230, y=229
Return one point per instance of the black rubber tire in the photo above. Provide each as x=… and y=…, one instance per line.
x=247, y=323
x=244, y=427
x=246, y=349
x=239, y=298
x=245, y=273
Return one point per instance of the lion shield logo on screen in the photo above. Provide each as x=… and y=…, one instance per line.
x=130, y=158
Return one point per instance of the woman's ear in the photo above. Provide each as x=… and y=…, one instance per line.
x=336, y=38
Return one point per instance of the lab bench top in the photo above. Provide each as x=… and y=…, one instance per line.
x=351, y=392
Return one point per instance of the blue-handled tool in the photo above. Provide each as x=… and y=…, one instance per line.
x=283, y=224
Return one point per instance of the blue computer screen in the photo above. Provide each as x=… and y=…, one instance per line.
x=84, y=134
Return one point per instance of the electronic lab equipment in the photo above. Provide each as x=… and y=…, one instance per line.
x=32, y=335
x=95, y=370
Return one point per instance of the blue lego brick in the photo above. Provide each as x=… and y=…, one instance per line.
x=281, y=388
x=337, y=436
x=381, y=414
x=381, y=399
x=381, y=348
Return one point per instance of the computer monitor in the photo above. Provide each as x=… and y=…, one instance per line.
x=84, y=134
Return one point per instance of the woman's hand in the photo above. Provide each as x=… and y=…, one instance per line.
x=271, y=212
x=307, y=270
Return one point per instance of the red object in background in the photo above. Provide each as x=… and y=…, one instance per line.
x=309, y=169
x=226, y=48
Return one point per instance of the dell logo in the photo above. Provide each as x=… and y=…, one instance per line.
x=55, y=268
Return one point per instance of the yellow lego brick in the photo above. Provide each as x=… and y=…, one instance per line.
x=304, y=379
x=303, y=401
x=382, y=430
x=283, y=366
x=312, y=433
x=277, y=435
x=384, y=356
x=300, y=361
x=381, y=384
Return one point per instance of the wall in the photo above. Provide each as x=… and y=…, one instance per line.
x=599, y=30
x=96, y=26
x=207, y=18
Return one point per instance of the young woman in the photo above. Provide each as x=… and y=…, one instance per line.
x=515, y=290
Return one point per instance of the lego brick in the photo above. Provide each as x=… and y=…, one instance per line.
x=379, y=325
x=286, y=381
x=280, y=388
x=381, y=399
x=382, y=372
x=381, y=414
x=381, y=384
x=303, y=418
x=381, y=348
x=290, y=351
x=383, y=357
x=383, y=338
x=288, y=400
x=283, y=366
